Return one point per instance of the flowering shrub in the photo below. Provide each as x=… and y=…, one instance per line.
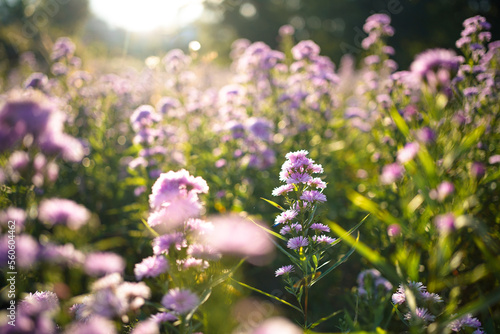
x=134, y=196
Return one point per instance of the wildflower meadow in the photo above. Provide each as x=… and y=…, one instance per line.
x=282, y=193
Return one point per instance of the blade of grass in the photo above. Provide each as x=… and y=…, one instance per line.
x=149, y=228
x=267, y=295
x=324, y=319
x=276, y=205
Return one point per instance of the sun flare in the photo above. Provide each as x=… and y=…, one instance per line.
x=147, y=15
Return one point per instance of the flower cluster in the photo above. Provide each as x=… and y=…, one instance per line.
x=303, y=194
x=430, y=302
x=174, y=199
x=369, y=282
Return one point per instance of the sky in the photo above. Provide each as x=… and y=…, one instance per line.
x=147, y=15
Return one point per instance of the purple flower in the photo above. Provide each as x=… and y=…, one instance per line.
x=45, y=301
x=260, y=127
x=320, y=227
x=285, y=270
x=174, y=199
x=445, y=223
x=100, y=264
x=421, y=314
x=444, y=189
x=286, y=217
x=163, y=317
x=284, y=189
x=408, y=152
x=27, y=250
x=180, y=301
x=312, y=196
x=316, y=183
x=433, y=59
x=323, y=239
x=95, y=325
x=426, y=135
x=305, y=50
x=36, y=80
x=63, y=47
x=393, y=230
x=297, y=242
x=146, y=327
x=31, y=113
x=162, y=244
x=477, y=170
x=286, y=30
x=151, y=267
x=165, y=104
x=58, y=211
x=494, y=159
x=144, y=117
x=391, y=173
x=296, y=178
x=62, y=254
x=465, y=321
x=172, y=185
x=16, y=215
x=235, y=235
x=431, y=297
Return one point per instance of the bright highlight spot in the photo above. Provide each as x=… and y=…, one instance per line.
x=194, y=46
x=147, y=15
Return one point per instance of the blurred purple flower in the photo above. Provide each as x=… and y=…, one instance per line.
x=408, y=152
x=286, y=30
x=445, y=222
x=36, y=81
x=394, y=230
x=237, y=236
x=27, y=250
x=477, y=170
x=63, y=48
x=426, y=135
x=180, y=301
x=151, y=267
x=16, y=215
x=147, y=326
x=95, y=325
x=100, y=264
x=391, y=173
x=305, y=50
x=58, y=211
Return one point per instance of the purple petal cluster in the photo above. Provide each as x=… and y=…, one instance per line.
x=180, y=301
x=174, y=199
x=151, y=267
x=58, y=211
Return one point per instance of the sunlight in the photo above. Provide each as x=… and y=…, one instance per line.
x=147, y=15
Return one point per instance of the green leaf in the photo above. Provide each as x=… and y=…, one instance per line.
x=399, y=121
x=268, y=295
x=276, y=205
x=324, y=319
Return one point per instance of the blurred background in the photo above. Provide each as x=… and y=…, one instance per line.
x=117, y=28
